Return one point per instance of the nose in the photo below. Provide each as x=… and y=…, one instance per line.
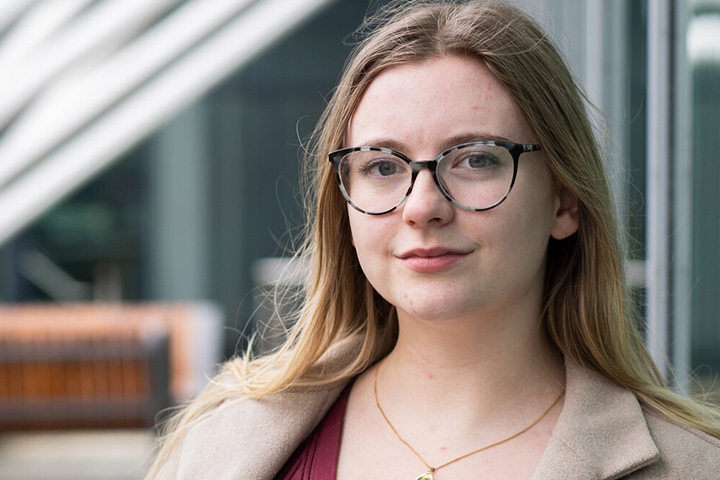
x=426, y=204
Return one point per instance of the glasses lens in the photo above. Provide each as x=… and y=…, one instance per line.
x=375, y=181
x=477, y=176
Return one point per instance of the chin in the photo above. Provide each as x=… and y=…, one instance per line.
x=451, y=311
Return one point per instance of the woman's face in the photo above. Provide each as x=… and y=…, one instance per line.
x=429, y=258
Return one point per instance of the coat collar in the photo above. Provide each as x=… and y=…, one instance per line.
x=601, y=432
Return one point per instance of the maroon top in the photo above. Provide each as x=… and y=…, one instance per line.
x=316, y=458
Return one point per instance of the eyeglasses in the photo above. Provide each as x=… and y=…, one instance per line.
x=474, y=176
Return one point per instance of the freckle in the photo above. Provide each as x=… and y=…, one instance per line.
x=442, y=449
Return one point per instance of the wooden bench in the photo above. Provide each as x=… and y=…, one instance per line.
x=95, y=366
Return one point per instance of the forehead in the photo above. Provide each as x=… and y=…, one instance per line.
x=422, y=105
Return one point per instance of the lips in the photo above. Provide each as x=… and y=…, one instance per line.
x=432, y=259
x=432, y=252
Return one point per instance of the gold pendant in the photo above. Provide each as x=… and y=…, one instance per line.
x=426, y=476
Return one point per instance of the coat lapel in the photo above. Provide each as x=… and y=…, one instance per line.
x=601, y=432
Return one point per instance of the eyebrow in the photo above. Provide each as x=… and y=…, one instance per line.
x=447, y=143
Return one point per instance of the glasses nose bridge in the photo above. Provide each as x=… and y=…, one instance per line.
x=416, y=166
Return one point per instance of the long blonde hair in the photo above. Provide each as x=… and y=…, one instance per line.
x=585, y=308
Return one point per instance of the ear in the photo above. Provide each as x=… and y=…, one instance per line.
x=566, y=214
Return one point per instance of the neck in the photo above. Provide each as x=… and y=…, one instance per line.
x=480, y=367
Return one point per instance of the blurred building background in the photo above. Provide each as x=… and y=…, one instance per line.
x=149, y=158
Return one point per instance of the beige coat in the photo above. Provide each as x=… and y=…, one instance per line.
x=602, y=433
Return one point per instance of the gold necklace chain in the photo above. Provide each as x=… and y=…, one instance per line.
x=428, y=475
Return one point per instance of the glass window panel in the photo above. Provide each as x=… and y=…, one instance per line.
x=703, y=45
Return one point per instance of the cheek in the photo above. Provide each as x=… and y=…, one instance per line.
x=354, y=227
x=371, y=239
x=526, y=232
x=360, y=232
x=535, y=200
x=364, y=228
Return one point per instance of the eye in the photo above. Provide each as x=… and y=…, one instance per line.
x=381, y=167
x=476, y=160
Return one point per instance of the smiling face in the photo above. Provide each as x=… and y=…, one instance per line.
x=429, y=258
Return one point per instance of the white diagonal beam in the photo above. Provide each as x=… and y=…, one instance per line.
x=95, y=148
x=11, y=11
x=102, y=27
x=68, y=107
x=36, y=26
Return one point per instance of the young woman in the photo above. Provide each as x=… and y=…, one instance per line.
x=465, y=314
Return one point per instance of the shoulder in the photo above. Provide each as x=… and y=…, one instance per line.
x=684, y=452
x=252, y=438
x=247, y=438
x=241, y=437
